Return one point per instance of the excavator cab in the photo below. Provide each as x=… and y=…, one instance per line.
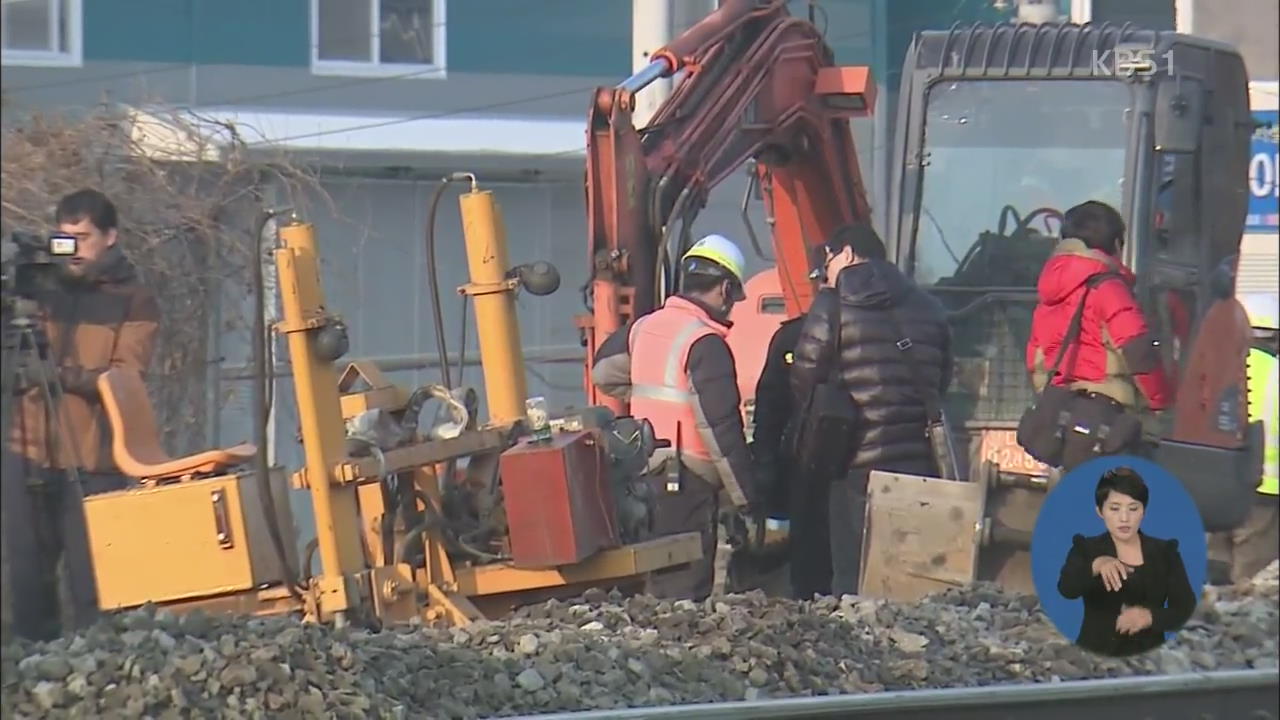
x=999, y=131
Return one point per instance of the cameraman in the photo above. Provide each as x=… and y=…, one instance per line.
x=95, y=316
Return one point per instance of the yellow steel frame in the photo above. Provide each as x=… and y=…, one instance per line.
x=349, y=579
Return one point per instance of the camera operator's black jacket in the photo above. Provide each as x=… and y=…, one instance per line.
x=100, y=320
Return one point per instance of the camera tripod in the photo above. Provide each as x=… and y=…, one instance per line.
x=35, y=518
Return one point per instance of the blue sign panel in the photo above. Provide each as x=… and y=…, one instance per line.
x=1264, y=175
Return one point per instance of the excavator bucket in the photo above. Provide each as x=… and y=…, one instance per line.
x=1212, y=449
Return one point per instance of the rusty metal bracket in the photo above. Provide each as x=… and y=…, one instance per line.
x=310, y=323
x=395, y=597
x=420, y=454
x=474, y=289
x=454, y=607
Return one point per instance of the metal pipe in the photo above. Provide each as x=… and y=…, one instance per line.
x=319, y=413
x=497, y=324
x=655, y=70
x=262, y=402
x=1228, y=693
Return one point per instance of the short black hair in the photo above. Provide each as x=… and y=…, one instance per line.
x=1123, y=480
x=1096, y=223
x=862, y=238
x=87, y=203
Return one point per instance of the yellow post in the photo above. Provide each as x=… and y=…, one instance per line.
x=320, y=413
x=493, y=293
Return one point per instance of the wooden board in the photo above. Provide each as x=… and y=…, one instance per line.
x=922, y=535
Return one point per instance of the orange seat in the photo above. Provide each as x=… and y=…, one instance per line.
x=135, y=443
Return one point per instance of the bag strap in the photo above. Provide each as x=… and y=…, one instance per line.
x=930, y=400
x=834, y=325
x=1077, y=322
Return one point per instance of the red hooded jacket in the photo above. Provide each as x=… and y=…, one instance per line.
x=1113, y=330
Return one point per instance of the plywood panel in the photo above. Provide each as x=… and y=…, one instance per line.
x=922, y=535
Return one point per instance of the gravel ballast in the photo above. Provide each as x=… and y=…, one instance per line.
x=596, y=652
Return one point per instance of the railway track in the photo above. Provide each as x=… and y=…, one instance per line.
x=1228, y=695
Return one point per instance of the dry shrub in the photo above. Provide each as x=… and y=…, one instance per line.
x=187, y=189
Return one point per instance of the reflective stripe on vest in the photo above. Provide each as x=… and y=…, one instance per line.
x=1264, y=406
x=660, y=390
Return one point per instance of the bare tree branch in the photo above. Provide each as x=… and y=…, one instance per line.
x=187, y=187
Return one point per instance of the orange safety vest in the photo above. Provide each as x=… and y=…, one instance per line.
x=660, y=392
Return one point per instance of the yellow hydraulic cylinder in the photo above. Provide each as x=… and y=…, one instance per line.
x=320, y=413
x=493, y=294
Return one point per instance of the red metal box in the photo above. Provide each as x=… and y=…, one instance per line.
x=558, y=500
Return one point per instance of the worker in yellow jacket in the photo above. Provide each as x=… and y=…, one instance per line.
x=1256, y=543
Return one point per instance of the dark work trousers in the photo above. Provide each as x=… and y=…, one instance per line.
x=1079, y=448
x=848, y=521
x=847, y=506
x=695, y=508
x=810, y=545
x=49, y=561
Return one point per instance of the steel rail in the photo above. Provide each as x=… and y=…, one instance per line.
x=1226, y=695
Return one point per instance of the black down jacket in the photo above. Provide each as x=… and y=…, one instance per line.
x=871, y=366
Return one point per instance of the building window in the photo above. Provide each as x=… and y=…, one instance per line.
x=41, y=32
x=378, y=37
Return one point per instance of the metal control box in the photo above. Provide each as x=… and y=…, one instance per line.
x=192, y=539
x=558, y=500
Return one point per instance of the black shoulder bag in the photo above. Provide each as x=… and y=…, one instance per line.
x=823, y=442
x=1042, y=430
x=937, y=430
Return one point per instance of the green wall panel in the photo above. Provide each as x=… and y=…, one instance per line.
x=247, y=32
x=560, y=37
x=557, y=37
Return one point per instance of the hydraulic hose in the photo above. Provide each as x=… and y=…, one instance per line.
x=433, y=280
x=263, y=373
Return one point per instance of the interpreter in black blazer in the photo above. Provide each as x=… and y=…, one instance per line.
x=1135, y=587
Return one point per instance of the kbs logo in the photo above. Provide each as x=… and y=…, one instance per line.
x=1130, y=62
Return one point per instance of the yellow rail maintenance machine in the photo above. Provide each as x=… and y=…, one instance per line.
x=545, y=506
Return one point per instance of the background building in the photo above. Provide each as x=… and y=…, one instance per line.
x=388, y=99
x=386, y=96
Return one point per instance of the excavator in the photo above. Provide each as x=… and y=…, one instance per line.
x=998, y=129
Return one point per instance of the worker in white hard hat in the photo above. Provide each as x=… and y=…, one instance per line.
x=676, y=368
x=1237, y=555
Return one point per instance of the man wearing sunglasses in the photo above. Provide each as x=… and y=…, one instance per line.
x=855, y=340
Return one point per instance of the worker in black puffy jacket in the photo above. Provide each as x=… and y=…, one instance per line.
x=804, y=501
x=875, y=305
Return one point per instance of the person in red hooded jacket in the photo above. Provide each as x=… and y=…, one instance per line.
x=1113, y=364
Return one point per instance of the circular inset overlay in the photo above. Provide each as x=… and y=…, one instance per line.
x=1119, y=555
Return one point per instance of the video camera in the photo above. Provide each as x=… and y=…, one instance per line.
x=30, y=263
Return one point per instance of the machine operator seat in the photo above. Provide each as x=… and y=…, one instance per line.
x=135, y=442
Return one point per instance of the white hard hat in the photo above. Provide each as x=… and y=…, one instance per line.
x=723, y=252
x=1262, y=308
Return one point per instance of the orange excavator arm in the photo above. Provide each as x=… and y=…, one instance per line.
x=756, y=83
